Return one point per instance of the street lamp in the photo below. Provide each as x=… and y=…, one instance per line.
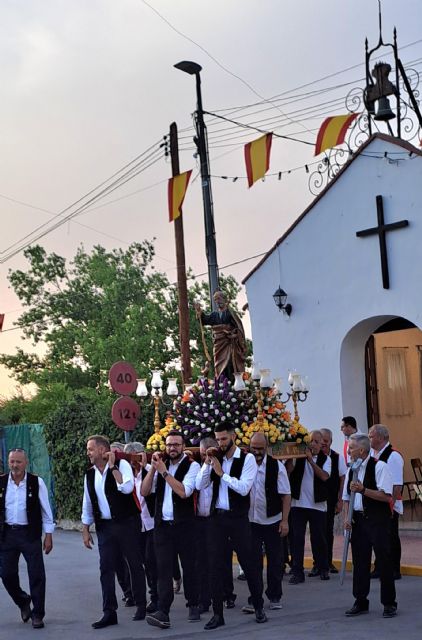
x=157, y=395
x=201, y=141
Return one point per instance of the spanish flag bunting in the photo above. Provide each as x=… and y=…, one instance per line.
x=176, y=193
x=257, y=157
x=333, y=131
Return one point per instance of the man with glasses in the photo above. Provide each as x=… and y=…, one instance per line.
x=25, y=513
x=173, y=482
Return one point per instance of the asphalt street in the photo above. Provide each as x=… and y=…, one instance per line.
x=313, y=609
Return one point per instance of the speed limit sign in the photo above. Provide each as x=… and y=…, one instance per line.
x=125, y=413
x=122, y=377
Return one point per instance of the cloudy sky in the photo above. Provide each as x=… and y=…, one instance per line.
x=87, y=85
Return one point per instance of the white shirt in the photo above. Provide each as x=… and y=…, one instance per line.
x=258, y=508
x=383, y=480
x=188, y=483
x=306, y=498
x=395, y=464
x=147, y=520
x=203, y=506
x=99, y=483
x=241, y=485
x=16, y=504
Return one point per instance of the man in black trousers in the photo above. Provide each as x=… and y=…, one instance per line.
x=232, y=479
x=108, y=501
x=173, y=482
x=371, y=527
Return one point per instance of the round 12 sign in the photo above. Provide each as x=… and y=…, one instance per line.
x=122, y=377
x=125, y=413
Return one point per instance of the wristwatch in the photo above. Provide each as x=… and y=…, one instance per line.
x=165, y=474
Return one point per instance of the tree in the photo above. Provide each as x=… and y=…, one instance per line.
x=101, y=307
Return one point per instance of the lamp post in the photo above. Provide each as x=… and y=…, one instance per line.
x=201, y=141
x=157, y=395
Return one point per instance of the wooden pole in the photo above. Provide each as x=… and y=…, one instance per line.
x=181, y=269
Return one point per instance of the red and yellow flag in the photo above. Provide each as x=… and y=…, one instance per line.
x=333, y=131
x=257, y=157
x=176, y=193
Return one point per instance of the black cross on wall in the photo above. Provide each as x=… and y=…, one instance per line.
x=381, y=231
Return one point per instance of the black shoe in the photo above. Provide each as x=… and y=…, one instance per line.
x=374, y=575
x=204, y=608
x=107, y=620
x=397, y=575
x=129, y=602
x=357, y=609
x=230, y=603
x=159, y=619
x=390, y=611
x=152, y=606
x=295, y=579
x=314, y=572
x=324, y=575
x=333, y=569
x=194, y=615
x=26, y=610
x=139, y=613
x=215, y=622
x=38, y=623
x=260, y=615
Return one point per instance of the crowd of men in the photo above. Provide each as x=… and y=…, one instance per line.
x=150, y=515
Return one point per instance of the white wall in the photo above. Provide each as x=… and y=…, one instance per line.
x=333, y=280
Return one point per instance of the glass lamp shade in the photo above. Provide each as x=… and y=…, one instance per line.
x=172, y=389
x=296, y=382
x=255, y=371
x=305, y=383
x=290, y=378
x=239, y=383
x=141, y=389
x=280, y=297
x=156, y=381
x=278, y=384
x=266, y=381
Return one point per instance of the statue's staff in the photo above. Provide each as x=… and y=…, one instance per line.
x=198, y=311
x=355, y=470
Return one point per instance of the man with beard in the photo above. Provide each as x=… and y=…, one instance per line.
x=308, y=482
x=269, y=516
x=173, y=483
x=108, y=501
x=232, y=480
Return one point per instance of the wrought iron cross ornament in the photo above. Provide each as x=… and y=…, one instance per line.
x=381, y=231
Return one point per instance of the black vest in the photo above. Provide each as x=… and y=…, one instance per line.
x=296, y=477
x=239, y=505
x=385, y=454
x=150, y=500
x=121, y=505
x=183, y=508
x=333, y=482
x=271, y=490
x=33, y=507
x=374, y=509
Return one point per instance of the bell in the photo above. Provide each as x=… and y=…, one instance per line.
x=384, y=112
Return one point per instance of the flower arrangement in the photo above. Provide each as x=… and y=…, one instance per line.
x=157, y=442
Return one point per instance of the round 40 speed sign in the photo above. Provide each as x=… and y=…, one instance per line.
x=125, y=413
x=122, y=377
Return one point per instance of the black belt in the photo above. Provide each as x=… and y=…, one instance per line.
x=16, y=526
x=221, y=512
x=170, y=523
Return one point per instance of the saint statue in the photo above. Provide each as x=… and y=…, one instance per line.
x=229, y=343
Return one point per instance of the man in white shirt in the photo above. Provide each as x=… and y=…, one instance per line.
x=381, y=449
x=25, y=513
x=308, y=483
x=371, y=527
x=108, y=501
x=269, y=517
x=232, y=475
x=173, y=483
x=348, y=428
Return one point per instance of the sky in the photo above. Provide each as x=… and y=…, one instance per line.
x=88, y=85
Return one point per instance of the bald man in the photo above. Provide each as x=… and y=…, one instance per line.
x=268, y=515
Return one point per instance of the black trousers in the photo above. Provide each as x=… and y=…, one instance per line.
x=368, y=534
x=169, y=539
x=115, y=538
x=122, y=575
x=269, y=536
x=202, y=566
x=395, y=544
x=299, y=518
x=150, y=562
x=16, y=542
x=226, y=529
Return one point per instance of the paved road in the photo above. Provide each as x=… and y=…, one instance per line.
x=313, y=609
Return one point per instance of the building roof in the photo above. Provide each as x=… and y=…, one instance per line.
x=377, y=136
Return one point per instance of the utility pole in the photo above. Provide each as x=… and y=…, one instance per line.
x=201, y=142
x=181, y=269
